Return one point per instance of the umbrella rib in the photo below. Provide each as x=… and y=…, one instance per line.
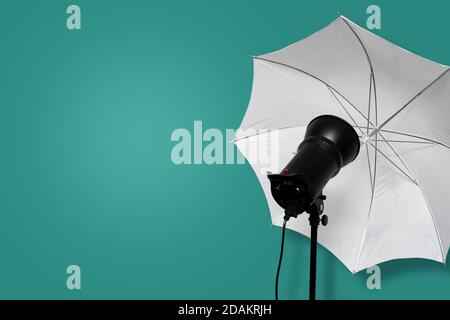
x=394, y=164
x=345, y=109
x=370, y=168
x=434, y=223
x=376, y=101
x=372, y=73
x=370, y=96
x=409, y=171
x=431, y=141
x=400, y=158
x=404, y=141
x=408, y=103
x=398, y=155
x=395, y=152
x=417, y=137
x=361, y=43
x=375, y=168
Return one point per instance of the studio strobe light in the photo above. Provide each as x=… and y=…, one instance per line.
x=330, y=143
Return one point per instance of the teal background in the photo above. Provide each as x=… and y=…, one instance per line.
x=86, y=176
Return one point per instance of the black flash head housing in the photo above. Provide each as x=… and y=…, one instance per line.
x=330, y=143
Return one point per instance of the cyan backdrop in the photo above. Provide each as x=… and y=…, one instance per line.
x=86, y=176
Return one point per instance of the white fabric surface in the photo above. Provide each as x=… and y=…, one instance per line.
x=392, y=201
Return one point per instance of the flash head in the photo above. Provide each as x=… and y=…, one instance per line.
x=330, y=143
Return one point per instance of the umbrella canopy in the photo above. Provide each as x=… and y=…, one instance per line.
x=392, y=202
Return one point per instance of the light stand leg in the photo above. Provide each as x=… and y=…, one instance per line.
x=314, y=221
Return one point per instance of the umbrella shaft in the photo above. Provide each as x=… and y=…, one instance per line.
x=313, y=262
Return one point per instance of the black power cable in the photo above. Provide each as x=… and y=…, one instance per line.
x=281, y=258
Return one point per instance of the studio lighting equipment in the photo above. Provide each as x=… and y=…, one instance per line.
x=330, y=143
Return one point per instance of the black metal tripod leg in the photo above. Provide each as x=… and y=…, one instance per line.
x=314, y=221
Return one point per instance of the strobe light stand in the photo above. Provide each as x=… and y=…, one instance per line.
x=330, y=143
x=315, y=219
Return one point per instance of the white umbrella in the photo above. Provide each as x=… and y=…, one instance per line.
x=392, y=202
